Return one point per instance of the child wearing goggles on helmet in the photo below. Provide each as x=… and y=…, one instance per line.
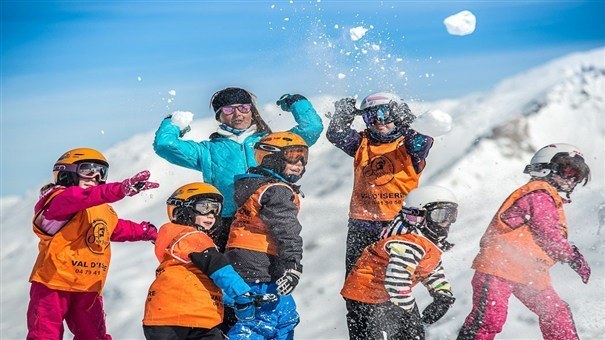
x=76, y=226
x=378, y=291
x=265, y=246
x=526, y=237
x=179, y=307
x=389, y=157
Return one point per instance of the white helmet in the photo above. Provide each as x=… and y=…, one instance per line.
x=380, y=98
x=556, y=158
x=422, y=196
x=431, y=209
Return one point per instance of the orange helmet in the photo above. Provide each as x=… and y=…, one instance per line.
x=276, y=149
x=70, y=166
x=191, y=200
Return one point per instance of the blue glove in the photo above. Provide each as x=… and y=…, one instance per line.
x=286, y=101
x=244, y=307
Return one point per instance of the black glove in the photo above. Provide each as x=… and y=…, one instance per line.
x=442, y=301
x=403, y=115
x=286, y=101
x=345, y=109
x=288, y=281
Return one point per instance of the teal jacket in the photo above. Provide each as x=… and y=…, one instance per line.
x=221, y=158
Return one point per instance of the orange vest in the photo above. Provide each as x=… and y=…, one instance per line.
x=77, y=257
x=365, y=283
x=513, y=254
x=181, y=294
x=383, y=176
x=248, y=230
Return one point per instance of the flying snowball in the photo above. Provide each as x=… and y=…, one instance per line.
x=357, y=33
x=433, y=123
x=462, y=23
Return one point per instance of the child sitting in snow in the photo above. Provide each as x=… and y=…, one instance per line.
x=378, y=291
x=185, y=300
x=389, y=158
x=75, y=226
x=264, y=245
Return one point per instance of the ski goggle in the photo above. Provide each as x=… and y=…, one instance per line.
x=85, y=170
x=413, y=216
x=375, y=114
x=202, y=207
x=230, y=109
x=442, y=212
x=291, y=154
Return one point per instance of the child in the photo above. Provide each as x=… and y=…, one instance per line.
x=75, y=226
x=378, y=291
x=264, y=245
x=230, y=150
x=185, y=300
x=389, y=157
x=526, y=237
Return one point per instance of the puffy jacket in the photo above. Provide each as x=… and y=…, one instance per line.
x=223, y=156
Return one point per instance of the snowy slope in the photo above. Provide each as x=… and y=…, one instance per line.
x=481, y=159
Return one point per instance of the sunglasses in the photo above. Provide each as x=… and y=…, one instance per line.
x=230, y=109
x=291, y=154
x=375, y=114
x=86, y=170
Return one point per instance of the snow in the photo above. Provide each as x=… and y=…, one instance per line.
x=433, y=123
x=493, y=135
x=357, y=33
x=462, y=23
x=182, y=119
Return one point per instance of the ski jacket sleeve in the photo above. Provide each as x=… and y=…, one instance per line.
x=539, y=211
x=403, y=260
x=280, y=214
x=342, y=135
x=417, y=145
x=129, y=231
x=436, y=281
x=309, y=123
x=74, y=199
x=168, y=145
x=216, y=266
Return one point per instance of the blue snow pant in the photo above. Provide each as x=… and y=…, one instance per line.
x=274, y=320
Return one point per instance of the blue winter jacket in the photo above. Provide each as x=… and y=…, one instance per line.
x=221, y=158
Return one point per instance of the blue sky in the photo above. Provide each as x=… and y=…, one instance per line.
x=92, y=73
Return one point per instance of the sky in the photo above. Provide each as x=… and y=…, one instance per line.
x=92, y=73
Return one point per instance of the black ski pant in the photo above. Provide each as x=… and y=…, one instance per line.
x=368, y=321
x=361, y=234
x=182, y=333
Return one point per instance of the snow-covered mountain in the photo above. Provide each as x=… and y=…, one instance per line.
x=481, y=160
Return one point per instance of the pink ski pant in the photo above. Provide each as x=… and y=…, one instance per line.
x=490, y=307
x=47, y=309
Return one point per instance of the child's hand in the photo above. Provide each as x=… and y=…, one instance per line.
x=437, y=309
x=286, y=101
x=345, y=108
x=138, y=183
x=579, y=264
x=403, y=115
x=288, y=281
x=151, y=232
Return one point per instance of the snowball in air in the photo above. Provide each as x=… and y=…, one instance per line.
x=462, y=23
x=341, y=76
x=433, y=123
x=172, y=92
x=357, y=33
x=182, y=119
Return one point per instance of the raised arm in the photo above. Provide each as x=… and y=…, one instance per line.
x=339, y=131
x=168, y=145
x=309, y=123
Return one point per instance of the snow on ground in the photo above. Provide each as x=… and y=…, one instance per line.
x=481, y=159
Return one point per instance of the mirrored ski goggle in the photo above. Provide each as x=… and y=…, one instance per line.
x=86, y=170
x=375, y=114
x=442, y=212
x=230, y=109
x=291, y=154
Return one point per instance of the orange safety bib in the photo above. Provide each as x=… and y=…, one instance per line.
x=513, y=254
x=248, y=230
x=77, y=257
x=365, y=283
x=383, y=176
x=182, y=295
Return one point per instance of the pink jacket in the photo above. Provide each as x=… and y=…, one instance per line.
x=538, y=210
x=74, y=199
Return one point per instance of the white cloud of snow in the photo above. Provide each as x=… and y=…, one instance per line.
x=357, y=33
